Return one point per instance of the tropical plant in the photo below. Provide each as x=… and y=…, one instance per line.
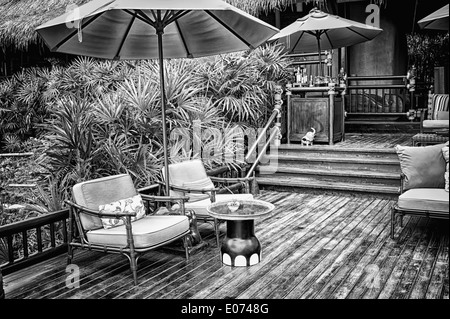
x=104, y=117
x=427, y=51
x=23, y=107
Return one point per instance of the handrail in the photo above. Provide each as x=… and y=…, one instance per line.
x=276, y=131
x=275, y=114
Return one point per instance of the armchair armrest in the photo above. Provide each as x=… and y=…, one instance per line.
x=422, y=118
x=154, y=188
x=97, y=213
x=402, y=182
x=157, y=198
x=244, y=181
x=194, y=190
x=190, y=190
x=231, y=179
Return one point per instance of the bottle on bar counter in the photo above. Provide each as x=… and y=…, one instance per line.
x=298, y=76
x=304, y=76
x=342, y=77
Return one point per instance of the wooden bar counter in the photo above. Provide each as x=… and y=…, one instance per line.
x=321, y=108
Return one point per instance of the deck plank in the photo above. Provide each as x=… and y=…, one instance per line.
x=304, y=265
x=358, y=230
x=315, y=246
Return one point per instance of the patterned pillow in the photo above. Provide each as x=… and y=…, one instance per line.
x=131, y=204
x=445, y=153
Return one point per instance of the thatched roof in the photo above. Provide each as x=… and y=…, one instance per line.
x=19, y=18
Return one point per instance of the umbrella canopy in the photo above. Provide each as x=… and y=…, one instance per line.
x=438, y=20
x=155, y=29
x=323, y=31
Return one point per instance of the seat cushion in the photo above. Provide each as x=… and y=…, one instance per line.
x=147, y=232
x=430, y=199
x=435, y=124
x=423, y=167
x=199, y=207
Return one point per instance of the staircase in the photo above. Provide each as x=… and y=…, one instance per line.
x=331, y=168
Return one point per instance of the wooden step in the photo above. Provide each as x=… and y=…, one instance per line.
x=303, y=183
x=357, y=176
x=335, y=162
x=330, y=151
x=373, y=170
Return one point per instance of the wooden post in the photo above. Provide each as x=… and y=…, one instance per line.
x=288, y=112
x=343, y=115
x=331, y=93
x=2, y=292
x=278, y=104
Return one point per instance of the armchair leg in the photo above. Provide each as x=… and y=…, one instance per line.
x=133, y=267
x=216, y=230
x=186, y=247
x=194, y=237
x=69, y=254
x=392, y=222
x=133, y=256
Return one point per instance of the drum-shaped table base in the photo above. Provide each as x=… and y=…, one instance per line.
x=240, y=247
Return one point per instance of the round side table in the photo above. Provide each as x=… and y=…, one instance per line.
x=240, y=246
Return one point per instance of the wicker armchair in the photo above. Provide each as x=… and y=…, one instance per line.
x=437, y=114
x=189, y=178
x=422, y=190
x=128, y=234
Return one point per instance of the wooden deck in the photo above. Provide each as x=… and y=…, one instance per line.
x=315, y=246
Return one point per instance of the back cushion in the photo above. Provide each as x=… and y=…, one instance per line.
x=200, y=184
x=423, y=166
x=189, y=174
x=442, y=115
x=188, y=171
x=96, y=192
x=437, y=103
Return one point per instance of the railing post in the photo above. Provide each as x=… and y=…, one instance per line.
x=2, y=292
x=278, y=104
x=411, y=85
x=331, y=93
x=288, y=112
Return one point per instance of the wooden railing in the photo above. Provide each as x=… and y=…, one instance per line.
x=48, y=243
x=377, y=95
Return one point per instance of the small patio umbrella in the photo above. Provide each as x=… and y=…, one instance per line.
x=438, y=20
x=323, y=31
x=154, y=29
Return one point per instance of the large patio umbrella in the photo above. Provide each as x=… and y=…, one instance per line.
x=154, y=29
x=438, y=20
x=323, y=31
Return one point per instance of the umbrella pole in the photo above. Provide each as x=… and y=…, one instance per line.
x=163, y=109
x=320, y=54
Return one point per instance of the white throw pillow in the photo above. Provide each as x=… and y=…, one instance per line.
x=131, y=204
